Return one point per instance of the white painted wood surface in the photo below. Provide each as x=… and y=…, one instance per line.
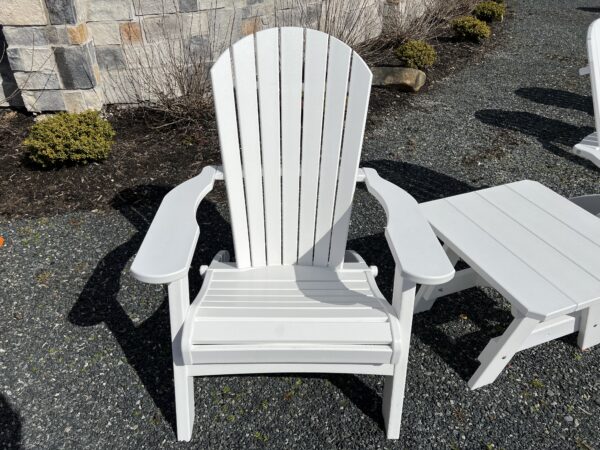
x=315, y=73
x=589, y=148
x=526, y=241
x=538, y=249
x=244, y=64
x=291, y=108
x=356, y=115
x=420, y=258
x=293, y=167
x=166, y=256
x=267, y=66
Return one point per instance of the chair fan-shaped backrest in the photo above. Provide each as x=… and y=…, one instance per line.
x=593, y=44
x=291, y=107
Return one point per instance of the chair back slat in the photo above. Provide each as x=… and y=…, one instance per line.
x=291, y=109
x=225, y=108
x=291, y=54
x=356, y=116
x=333, y=127
x=267, y=64
x=315, y=72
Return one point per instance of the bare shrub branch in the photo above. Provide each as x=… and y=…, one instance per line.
x=356, y=22
x=168, y=71
x=421, y=19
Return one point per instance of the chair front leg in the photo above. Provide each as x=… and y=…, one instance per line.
x=179, y=303
x=393, y=391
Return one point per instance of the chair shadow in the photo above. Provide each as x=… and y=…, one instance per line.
x=10, y=425
x=556, y=97
x=146, y=345
x=549, y=132
x=592, y=9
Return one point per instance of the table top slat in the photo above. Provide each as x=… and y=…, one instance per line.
x=513, y=278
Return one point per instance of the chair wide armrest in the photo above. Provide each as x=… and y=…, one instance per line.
x=168, y=247
x=415, y=248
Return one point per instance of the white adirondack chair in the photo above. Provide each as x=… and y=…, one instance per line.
x=291, y=108
x=589, y=148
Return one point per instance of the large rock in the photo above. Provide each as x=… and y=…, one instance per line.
x=403, y=77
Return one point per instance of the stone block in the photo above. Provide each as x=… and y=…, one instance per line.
x=78, y=34
x=74, y=101
x=76, y=66
x=105, y=33
x=93, y=99
x=25, y=36
x=37, y=80
x=188, y=5
x=47, y=100
x=99, y=10
x=174, y=26
x=147, y=7
x=214, y=4
x=28, y=59
x=23, y=12
x=131, y=33
x=110, y=57
x=58, y=35
x=61, y=12
x=9, y=95
x=250, y=26
x=117, y=87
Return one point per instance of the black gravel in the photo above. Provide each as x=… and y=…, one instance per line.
x=84, y=349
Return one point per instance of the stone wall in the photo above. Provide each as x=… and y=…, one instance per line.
x=75, y=54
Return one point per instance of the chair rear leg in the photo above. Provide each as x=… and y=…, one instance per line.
x=589, y=330
x=184, y=402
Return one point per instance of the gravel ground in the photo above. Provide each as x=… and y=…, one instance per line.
x=84, y=348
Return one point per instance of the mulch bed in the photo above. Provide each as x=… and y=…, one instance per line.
x=147, y=156
x=141, y=156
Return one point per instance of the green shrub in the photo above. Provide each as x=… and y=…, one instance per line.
x=416, y=54
x=489, y=11
x=470, y=28
x=69, y=137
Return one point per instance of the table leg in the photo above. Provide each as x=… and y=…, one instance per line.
x=499, y=351
x=589, y=328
